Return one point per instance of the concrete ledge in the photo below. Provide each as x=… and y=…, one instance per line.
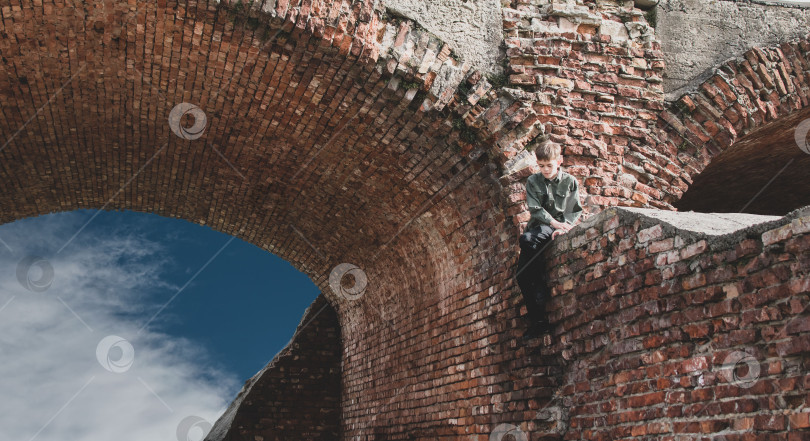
x=718, y=229
x=711, y=224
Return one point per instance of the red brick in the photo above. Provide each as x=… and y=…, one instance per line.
x=799, y=420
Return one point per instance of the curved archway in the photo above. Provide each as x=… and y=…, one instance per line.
x=307, y=150
x=734, y=139
x=314, y=147
x=763, y=172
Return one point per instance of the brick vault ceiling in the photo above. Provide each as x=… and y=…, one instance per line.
x=307, y=152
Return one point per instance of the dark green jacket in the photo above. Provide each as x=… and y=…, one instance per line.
x=557, y=198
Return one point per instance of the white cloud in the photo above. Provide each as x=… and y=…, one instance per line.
x=51, y=383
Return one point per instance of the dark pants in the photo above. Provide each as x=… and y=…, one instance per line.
x=531, y=271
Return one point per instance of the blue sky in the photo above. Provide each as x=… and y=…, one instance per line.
x=143, y=323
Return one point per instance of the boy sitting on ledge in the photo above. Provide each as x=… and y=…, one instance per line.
x=553, y=199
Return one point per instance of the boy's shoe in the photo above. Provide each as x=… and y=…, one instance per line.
x=531, y=334
x=544, y=326
x=536, y=330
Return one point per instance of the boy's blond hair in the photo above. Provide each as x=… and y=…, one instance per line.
x=547, y=150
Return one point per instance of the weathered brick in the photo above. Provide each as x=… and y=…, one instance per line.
x=650, y=233
x=799, y=420
x=694, y=249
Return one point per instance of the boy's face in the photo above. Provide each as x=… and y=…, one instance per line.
x=549, y=167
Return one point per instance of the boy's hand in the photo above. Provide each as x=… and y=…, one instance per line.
x=561, y=226
x=557, y=233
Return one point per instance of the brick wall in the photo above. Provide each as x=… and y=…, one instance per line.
x=591, y=75
x=671, y=334
x=298, y=392
x=660, y=332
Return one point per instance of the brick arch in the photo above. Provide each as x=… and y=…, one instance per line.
x=318, y=147
x=736, y=133
x=310, y=122
x=345, y=138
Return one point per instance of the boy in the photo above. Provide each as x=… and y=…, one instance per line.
x=553, y=199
